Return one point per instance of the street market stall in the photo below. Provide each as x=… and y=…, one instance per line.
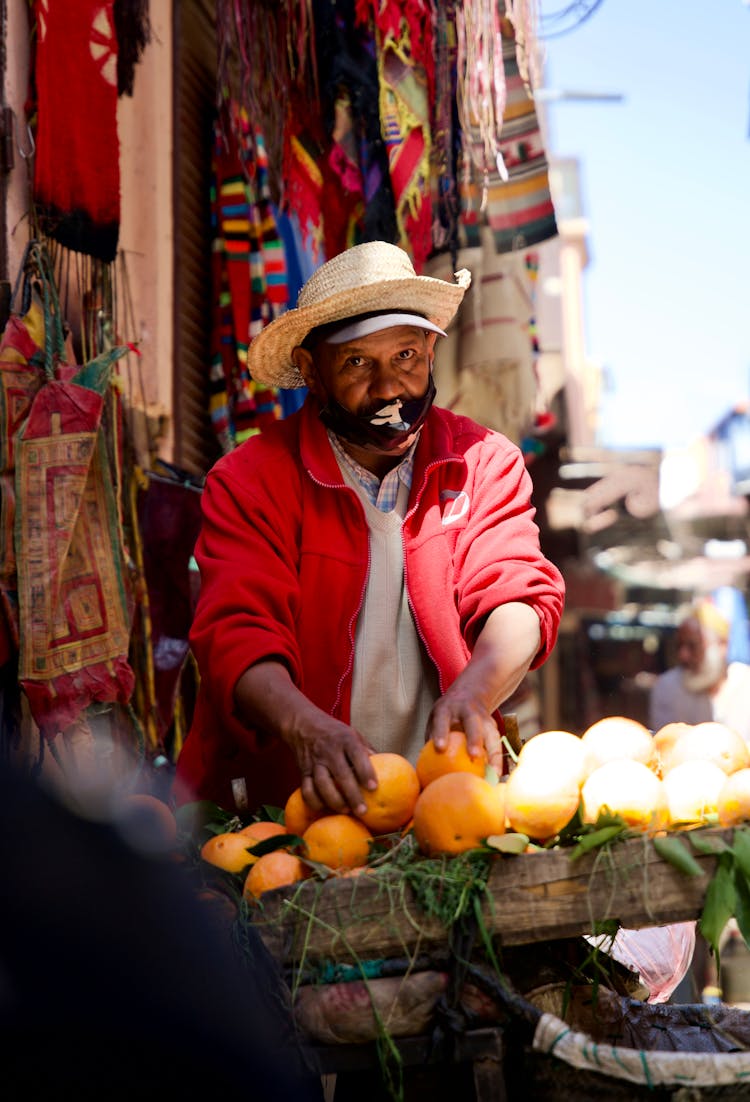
x=545, y=958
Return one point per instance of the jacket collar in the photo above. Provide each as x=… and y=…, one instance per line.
x=435, y=446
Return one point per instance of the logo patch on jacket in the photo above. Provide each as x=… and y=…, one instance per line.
x=455, y=505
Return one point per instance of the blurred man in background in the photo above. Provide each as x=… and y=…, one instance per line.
x=704, y=686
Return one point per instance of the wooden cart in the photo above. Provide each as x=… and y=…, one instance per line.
x=533, y=899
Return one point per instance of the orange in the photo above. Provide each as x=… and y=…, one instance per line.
x=149, y=819
x=628, y=789
x=664, y=740
x=298, y=815
x=617, y=737
x=432, y=763
x=540, y=798
x=272, y=870
x=338, y=841
x=258, y=832
x=733, y=804
x=712, y=742
x=262, y=829
x=228, y=851
x=692, y=790
x=457, y=812
x=391, y=804
x=562, y=748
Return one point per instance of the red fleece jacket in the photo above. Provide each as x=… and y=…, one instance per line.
x=283, y=556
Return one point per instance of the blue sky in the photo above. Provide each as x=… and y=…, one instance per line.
x=666, y=191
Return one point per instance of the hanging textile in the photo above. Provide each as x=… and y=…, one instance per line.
x=357, y=157
x=169, y=516
x=266, y=59
x=21, y=376
x=404, y=38
x=248, y=276
x=485, y=367
x=76, y=186
x=505, y=183
x=72, y=585
x=456, y=143
x=446, y=134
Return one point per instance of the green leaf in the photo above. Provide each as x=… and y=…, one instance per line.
x=607, y=818
x=596, y=838
x=741, y=849
x=719, y=903
x=270, y=813
x=508, y=843
x=742, y=902
x=707, y=843
x=277, y=841
x=606, y=927
x=675, y=851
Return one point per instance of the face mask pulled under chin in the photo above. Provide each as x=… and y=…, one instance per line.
x=384, y=430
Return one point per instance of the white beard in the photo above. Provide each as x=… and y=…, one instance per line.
x=711, y=673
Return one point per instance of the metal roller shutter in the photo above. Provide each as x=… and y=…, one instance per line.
x=195, y=446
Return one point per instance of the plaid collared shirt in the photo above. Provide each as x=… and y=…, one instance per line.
x=383, y=493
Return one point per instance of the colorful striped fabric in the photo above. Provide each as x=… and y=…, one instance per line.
x=249, y=278
x=518, y=209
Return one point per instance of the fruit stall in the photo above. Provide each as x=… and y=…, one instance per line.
x=525, y=929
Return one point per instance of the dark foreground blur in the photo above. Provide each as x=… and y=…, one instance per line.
x=114, y=983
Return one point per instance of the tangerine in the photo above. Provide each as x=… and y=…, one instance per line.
x=455, y=758
x=540, y=799
x=628, y=789
x=733, y=804
x=456, y=812
x=692, y=789
x=617, y=737
x=712, y=742
x=298, y=815
x=338, y=841
x=272, y=870
x=228, y=851
x=391, y=804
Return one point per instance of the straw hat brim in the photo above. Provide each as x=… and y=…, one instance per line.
x=269, y=357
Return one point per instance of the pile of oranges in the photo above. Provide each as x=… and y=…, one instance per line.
x=445, y=799
x=681, y=776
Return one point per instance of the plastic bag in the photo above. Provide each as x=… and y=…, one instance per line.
x=661, y=955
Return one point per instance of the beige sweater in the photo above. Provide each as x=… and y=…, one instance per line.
x=395, y=684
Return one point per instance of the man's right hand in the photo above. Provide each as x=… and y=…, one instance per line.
x=334, y=761
x=333, y=758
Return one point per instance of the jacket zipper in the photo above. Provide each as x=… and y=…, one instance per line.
x=431, y=466
x=355, y=614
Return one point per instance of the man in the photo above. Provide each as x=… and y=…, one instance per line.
x=370, y=569
x=703, y=686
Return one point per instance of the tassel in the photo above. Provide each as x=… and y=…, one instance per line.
x=133, y=31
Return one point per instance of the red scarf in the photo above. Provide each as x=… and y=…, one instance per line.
x=77, y=177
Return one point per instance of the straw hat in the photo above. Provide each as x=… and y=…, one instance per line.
x=365, y=278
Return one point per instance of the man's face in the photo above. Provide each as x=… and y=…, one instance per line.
x=702, y=657
x=690, y=646
x=367, y=373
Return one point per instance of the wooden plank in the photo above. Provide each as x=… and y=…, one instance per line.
x=546, y=895
x=534, y=897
